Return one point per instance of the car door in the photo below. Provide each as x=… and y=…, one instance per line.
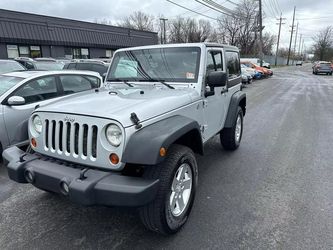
x=214, y=105
x=39, y=91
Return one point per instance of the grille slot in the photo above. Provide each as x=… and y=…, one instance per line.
x=71, y=139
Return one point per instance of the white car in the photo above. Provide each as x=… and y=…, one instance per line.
x=133, y=143
x=21, y=92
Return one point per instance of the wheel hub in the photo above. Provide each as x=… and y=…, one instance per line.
x=181, y=189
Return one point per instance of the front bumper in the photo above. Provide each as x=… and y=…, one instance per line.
x=95, y=187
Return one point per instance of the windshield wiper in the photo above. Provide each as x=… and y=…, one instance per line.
x=157, y=80
x=125, y=81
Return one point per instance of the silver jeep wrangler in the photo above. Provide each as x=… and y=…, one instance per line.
x=133, y=143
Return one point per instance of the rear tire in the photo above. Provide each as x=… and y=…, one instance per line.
x=231, y=137
x=178, y=175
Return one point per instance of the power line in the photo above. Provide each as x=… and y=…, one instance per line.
x=209, y=5
x=219, y=8
x=278, y=6
x=198, y=13
x=232, y=2
x=271, y=9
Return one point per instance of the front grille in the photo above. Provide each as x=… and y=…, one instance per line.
x=77, y=140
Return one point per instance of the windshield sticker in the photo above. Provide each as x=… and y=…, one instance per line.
x=190, y=75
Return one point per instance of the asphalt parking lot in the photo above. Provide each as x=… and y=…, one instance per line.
x=274, y=192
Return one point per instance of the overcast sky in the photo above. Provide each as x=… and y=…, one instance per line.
x=312, y=15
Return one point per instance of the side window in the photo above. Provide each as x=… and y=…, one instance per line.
x=29, y=65
x=94, y=81
x=84, y=66
x=99, y=68
x=210, y=62
x=218, y=60
x=75, y=83
x=214, y=61
x=233, y=64
x=38, y=90
x=71, y=66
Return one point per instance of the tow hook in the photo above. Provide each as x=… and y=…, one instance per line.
x=82, y=174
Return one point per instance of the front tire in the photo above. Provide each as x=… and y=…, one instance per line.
x=231, y=137
x=178, y=175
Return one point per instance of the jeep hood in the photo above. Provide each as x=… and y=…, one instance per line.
x=118, y=104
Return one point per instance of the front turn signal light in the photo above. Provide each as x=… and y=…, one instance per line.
x=163, y=152
x=114, y=158
x=33, y=143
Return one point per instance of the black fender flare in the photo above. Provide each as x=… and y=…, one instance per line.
x=237, y=99
x=144, y=146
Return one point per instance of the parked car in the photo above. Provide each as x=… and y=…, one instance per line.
x=10, y=66
x=257, y=61
x=322, y=67
x=94, y=65
x=21, y=92
x=299, y=63
x=133, y=143
x=266, y=72
x=39, y=64
x=254, y=73
x=246, y=77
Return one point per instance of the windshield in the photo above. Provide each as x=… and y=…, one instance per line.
x=49, y=65
x=167, y=64
x=7, y=82
x=10, y=66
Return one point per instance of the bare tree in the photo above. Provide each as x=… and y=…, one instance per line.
x=323, y=47
x=240, y=29
x=138, y=20
x=188, y=30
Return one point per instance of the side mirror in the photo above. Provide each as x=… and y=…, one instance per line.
x=16, y=100
x=216, y=79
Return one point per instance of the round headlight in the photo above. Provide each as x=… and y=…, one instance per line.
x=37, y=124
x=114, y=135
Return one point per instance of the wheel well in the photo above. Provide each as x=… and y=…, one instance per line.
x=191, y=139
x=242, y=104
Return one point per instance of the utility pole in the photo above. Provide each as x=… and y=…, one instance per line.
x=295, y=43
x=260, y=33
x=300, y=43
x=163, y=41
x=291, y=36
x=278, y=41
x=302, y=50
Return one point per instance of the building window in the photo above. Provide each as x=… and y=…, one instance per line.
x=109, y=53
x=35, y=51
x=23, y=51
x=77, y=53
x=84, y=53
x=12, y=51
